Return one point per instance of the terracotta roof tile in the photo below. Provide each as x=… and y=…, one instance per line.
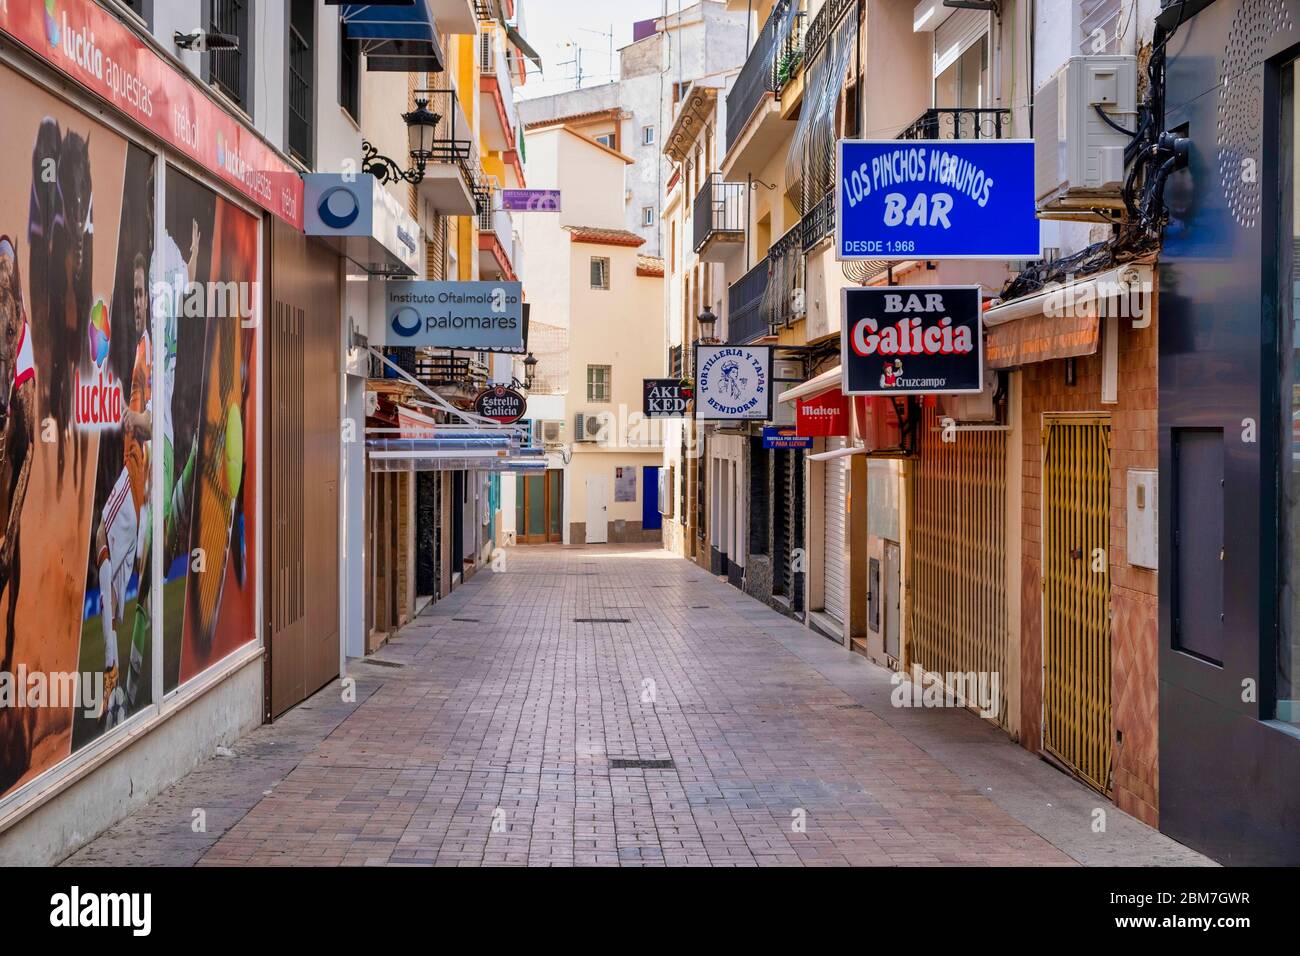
x=605, y=237
x=649, y=266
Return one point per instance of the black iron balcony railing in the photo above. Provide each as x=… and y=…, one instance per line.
x=746, y=321
x=781, y=301
x=226, y=69
x=451, y=371
x=719, y=209
x=757, y=77
x=960, y=123
x=819, y=222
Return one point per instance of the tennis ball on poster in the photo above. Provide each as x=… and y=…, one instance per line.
x=234, y=450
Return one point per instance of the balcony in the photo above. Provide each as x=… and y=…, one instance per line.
x=719, y=218
x=960, y=123
x=459, y=373
x=746, y=320
x=451, y=176
x=454, y=16
x=500, y=119
x=818, y=223
x=496, y=244
x=754, y=124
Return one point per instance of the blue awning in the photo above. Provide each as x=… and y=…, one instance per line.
x=395, y=39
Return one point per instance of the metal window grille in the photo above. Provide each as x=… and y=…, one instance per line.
x=226, y=67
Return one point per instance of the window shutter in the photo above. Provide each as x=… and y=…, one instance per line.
x=956, y=34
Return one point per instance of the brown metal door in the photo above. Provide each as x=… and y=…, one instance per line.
x=302, y=451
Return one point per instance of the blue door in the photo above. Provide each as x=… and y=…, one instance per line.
x=651, y=520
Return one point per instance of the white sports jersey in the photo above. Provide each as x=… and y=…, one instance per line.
x=25, y=365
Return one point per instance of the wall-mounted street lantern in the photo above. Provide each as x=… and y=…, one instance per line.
x=530, y=370
x=421, y=123
x=707, y=322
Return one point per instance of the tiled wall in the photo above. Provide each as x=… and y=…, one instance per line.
x=1134, y=603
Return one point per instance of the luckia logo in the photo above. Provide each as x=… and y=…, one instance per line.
x=51, y=23
x=98, y=402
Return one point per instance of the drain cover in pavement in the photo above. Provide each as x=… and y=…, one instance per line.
x=623, y=763
x=602, y=620
x=467, y=620
x=383, y=663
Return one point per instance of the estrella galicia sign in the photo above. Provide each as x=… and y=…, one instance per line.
x=912, y=340
x=733, y=382
x=666, y=397
x=936, y=199
x=501, y=404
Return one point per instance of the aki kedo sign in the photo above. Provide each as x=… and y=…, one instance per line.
x=912, y=340
x=936, y=199
x=666, y=398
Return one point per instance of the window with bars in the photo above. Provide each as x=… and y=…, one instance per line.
x=349, y=74
x=302, y=73
x=599, y=383
x=600, y=273
x=227, y=70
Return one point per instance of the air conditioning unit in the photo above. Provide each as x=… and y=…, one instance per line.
x=1078, y=156
x=977, y=407
x=552, y=432
x=586, y=428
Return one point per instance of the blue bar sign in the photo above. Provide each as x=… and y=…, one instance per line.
x=936, y=199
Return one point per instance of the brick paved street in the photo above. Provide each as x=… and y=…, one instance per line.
x=485, y=733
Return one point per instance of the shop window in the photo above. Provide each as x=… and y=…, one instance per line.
x=600, y=272
x=599, y=387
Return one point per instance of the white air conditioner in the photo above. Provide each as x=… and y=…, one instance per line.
x=586, y=428
x=552, y=432
x=1078, y=156
x=977, y=407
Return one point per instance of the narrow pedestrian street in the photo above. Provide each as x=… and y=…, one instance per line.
x=493, y=731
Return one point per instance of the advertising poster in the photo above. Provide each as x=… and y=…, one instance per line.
x=73, y=217
x=912, y=340
x=209, y=260
x=625, y=484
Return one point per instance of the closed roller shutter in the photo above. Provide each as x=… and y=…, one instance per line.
x=834, y=584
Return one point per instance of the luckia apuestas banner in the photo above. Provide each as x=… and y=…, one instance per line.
x=936, y=199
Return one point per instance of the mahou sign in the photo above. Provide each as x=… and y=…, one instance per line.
x=502, y=405
x=912, y=340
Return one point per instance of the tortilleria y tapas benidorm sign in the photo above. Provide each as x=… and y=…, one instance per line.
x=101, y=53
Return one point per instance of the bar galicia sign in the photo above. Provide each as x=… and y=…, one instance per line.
x=912, y=340
x=485, y=316
x=734, y=382
x=666, y=398
x=936, y=199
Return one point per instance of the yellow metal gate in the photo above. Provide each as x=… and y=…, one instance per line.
x=1076, y=595
x=957, y=551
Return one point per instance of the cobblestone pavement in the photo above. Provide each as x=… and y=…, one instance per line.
x=487, y=732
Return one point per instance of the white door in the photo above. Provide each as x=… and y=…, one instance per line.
x=597, y=510
x=834, y=585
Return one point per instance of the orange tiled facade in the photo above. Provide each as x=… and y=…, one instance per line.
x=1133, y=591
